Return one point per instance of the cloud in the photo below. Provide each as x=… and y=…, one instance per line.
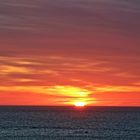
x=67, y=94
x=42, y=69
x=62, y=94
x=55, y=17
x=56, y=66
x=111, y=89
x=13, y=69
x=68, y=91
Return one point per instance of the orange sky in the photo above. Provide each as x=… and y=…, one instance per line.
x=61, y=52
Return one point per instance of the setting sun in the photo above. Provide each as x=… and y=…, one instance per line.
x=80, y=104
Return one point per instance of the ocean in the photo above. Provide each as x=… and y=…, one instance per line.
x=69, y=123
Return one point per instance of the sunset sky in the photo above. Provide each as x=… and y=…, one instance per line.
x=59, y=52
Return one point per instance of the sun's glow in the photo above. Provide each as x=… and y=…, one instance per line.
x=79, y=104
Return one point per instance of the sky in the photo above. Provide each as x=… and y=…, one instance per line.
x=59, y=52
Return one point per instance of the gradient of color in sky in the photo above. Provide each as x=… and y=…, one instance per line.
x=57, y=52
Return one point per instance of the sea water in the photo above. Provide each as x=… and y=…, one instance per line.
x=69, y=123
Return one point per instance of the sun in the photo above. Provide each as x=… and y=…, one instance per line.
x=79, y=104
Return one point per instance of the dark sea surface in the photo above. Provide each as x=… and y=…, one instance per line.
x=69, y=123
